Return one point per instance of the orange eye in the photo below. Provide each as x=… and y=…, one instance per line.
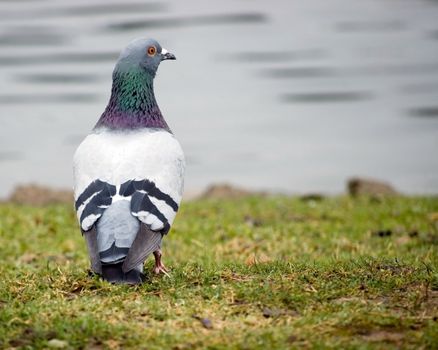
x=152, y=50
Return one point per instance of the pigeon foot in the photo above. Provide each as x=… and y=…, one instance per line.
x=159, y=266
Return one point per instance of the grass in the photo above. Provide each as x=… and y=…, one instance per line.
x=252, y=273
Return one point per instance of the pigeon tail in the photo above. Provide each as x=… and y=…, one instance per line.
x=113, y=273
x=116, y=230
x=146, y=242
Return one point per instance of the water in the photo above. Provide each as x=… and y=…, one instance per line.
x=283, y=95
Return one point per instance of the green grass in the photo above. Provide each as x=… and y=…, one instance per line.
x=252, y=273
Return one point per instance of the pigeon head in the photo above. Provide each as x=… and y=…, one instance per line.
x=143, y=54
x=132, y=103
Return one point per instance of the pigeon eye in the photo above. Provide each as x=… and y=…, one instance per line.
x=152, y=50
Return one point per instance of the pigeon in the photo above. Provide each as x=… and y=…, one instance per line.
x=129, y=172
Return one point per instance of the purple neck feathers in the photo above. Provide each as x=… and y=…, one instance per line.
x=132, y=104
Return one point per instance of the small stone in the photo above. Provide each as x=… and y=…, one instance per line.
x=204, y=321
x=57, y=344
x=207, y=323
x=267, y=312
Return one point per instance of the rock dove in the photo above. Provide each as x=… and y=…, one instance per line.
x=129, y=172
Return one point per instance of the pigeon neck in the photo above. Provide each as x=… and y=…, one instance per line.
x=132, y=104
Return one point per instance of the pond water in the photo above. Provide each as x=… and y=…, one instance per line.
x=291, y=96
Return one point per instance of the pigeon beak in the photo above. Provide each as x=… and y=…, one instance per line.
x=166, y=55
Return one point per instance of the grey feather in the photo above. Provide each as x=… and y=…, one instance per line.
x=116, y=230
x=145, y=243
x=93, y=252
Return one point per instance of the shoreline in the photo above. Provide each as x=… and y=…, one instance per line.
x=38, y=195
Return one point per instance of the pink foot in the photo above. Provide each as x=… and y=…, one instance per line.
x=159, y=266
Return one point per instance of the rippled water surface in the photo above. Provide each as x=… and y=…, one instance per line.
x=283, y=95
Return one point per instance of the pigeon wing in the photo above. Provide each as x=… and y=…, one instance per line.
x=150, y=205
x=92, y=202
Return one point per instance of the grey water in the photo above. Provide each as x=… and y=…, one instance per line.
x=281, y=95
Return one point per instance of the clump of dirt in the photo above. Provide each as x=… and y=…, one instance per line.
x=37, y=195
x=357, y=186
x=225, y=191
x=384, y=336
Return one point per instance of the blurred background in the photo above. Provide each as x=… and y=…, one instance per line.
x=291, y=96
